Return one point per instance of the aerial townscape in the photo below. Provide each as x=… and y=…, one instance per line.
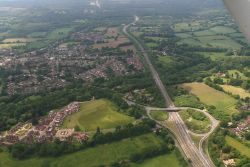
x=121, y=83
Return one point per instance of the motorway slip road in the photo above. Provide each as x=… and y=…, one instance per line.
x=197, y=157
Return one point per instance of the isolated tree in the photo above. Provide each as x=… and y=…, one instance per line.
x=77, y=128
x=98, y=130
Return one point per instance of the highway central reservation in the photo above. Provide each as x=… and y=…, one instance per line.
x=196, y=157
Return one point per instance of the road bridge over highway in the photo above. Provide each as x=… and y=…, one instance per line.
x=197, y=157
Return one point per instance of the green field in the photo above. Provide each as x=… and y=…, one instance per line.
x=151, y=44
x=166, y=60
x=190, y=41
x=187, y=101
x=186, y=26
x=233, y=74
x=156, y=38
x=59, y=33
x=222, y=30
x=196, y=121
x=237, y=35
x=214, y=55
x=96, y=113
x=10, y=45
x=18, y=40
x=200, y=35
x=244, y=150
x=211, y=41
x=204, y=33
x=219, y=41
x=37, y=35
x=183, y=35
x=160, y=161
x=159, y=115
x=102, y=154
x=210, y=96
x=236, y=91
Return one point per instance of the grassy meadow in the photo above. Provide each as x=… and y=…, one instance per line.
x=151, y=44
x=188, y=101
x=235, y=73
x=244, y=150
x=214, y=55
x=210, y=96
x=159, y=115
x=236, y=90
x=160, y=161
x=10, y=45
x=96, y=113
x=59, y=33
x=201, y=34
x=99, y=155
x=196, y=121
x=166, y=60
x=216, y=41
x=19, y=40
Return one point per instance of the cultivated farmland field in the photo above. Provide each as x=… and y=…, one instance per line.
x=219, y=41
x=183, y=35
x=214, y=55
x=19, y=40
x=222, y=30
x=7, y=45
x=151, y=44
x=59, y=33
x=111, y=43
x=216, y=41
x=179, y=27
x=210, y=96
x=244, y=150
x=156, y=38
x=190, y=41
x=204, y=33
x=236, y=91
x=96, y=113
x=99, y=155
